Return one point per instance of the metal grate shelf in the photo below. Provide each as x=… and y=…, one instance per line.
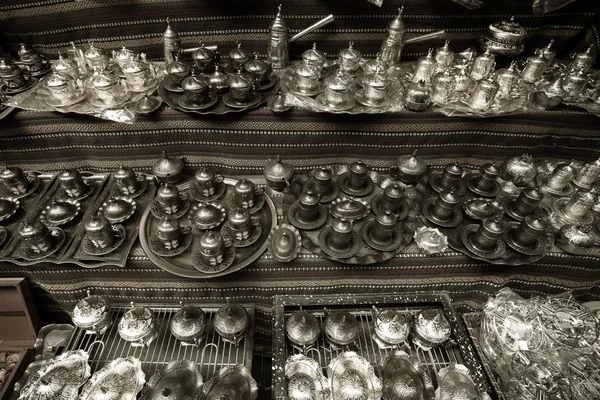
x=213, y=355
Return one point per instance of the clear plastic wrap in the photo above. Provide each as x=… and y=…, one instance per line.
x=471, y=4
x=546, y=6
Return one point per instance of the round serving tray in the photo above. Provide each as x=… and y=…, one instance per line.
x=182, y=264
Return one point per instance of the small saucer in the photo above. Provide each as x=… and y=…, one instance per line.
x=465, y=236
x=259, y=202
x=402, y=212
x=149, y=85
x=228, y=259
x=53, y=102
x=508, y=203
x=292, y=216
x=360, y=97
x=184, y=205
x=29, y=84
x=185, y=103
x=171, y=87
x=141, y=178
x=451, y=223
x=395, y=242
x=90, y=249
x=350, y=208
x=294, y=88
x=3, y=235
x=15, y=204
x=95, y=101
x=254, y=100
x=537, y=249
x=243, y=242
x=268, y=84
x=197, y=194
x=470, y=180
x=27, y=253
x=334, y=191
x=434, y=178
x=473, y=208
x=123, y=214
x=542, y=179
x=348, y=104
x=65, y=218
x=350, y=252
x=35, y=183
x=160, y=250
x=343, y=182
x=219, y=208
x=62, y=193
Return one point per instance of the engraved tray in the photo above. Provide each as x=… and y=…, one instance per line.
x=461, y=351
x=119, y=256
x=212, y=355
x=365, y=254
x=95, y=181
x=172, y=99
x=181, y=265
x=13, y=223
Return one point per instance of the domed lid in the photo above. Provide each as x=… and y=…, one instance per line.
x=323, y=174
x=8, y=206
x=33, y=230
x=170, y=33
x=376, y=80
x=449, y=196
x=432, y=326
x=277, y=102
x=512, y=70
x=411, y=164
x=444, y=50
x=97, y=223
x=285, y=242
x=194, y=83
x=302, y=328
x=167, y=227
x=69, y=176
x=123, y=55
x=118, y=208
x=564, y=169
x=239, y=217
x=508, y=29
x=167, y=193
x=124, y=173
x=207, y=214
x=58, y=80
x=135, y=66
x=25, y=50
x=167, y=167
x=104, y=80
x=350, y=54
x=61, y=210
x=278, y=23
x=94, y=53
x=386, y=218
x=231, y=320
x=12, y=173
x=64, y=64
x=493, y=226
x=244, y=186
x=306, y=71
x=188, y=323
x=240, y=81
x=203, y=54
x=178, y=68
x=218, y=78
x=359, y=168
x=136, y=323
x=211, y=243
x=7, y=65
x=577, y=235
x=486, y=56
x=393, y=192
x=342, y=225
x=391, y=326
x=535, y=223
x=520, y=169
x=533, y=193
x=491, y=171
x=238, y=54
x=90, y=311
x=256, y=66
x=453, y=170
x=397, y=24
x=337, y=82
x=418, y=92
x=309, y=198
x=276, y=171
x=314, y=56
x=341, y=327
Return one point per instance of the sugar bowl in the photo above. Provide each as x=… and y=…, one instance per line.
x=504, y=38
x=189, y=325
x=92, y=314
x=341, y=328
x=138, y=326
x=391, y=327
x=231, y=322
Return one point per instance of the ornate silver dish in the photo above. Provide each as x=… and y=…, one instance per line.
x=60, y=212
x=351, y=377
x=231, y=322
x=391, y=327
x=122, y=379
x=205, y=216
x=189, y=325
x=137, y=326
x=233, y=383
x=455, y=382
x=118, y=209
x=92, y=314
x=285, y=242
x=302, y=329
x=430, y=240
x=8, y=207
x=59, y=379
x=349, y=208
x=305, y=379
x=430, y=329
x=481, y=208
x=50, y=339
x=176, y=380
x=404, y=379
x=341, y=328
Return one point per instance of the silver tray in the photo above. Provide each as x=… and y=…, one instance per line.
x=181, y=265
x=172, y=99
x=460, y=350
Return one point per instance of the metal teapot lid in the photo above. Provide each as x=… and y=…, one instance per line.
x=231, y=320
x=203, y=54
x=302, y=328
x=188, y=323
x=97, y=223
x=238, y=54
x=94, y=53
x=124, y=173
x=64, y=64
x=178, y=67
x=167, y=194
x=341, y=327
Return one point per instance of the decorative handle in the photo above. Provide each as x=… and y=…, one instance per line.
x=427, y=36
x=328, y=19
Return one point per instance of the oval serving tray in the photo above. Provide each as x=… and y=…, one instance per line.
x=182, y=264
